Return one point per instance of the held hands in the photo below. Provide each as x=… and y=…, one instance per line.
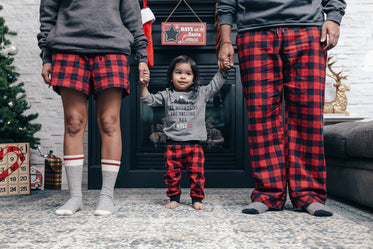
x=144, y=77
x=46, y=72
x=225, y=56
x=330, y=33
x=144, y=74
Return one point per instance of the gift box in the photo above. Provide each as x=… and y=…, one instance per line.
x=53, y=172
x=14, y=169
x=36, y=178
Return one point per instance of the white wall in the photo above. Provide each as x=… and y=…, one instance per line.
x=354, y=55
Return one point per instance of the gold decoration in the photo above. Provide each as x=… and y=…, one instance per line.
x=339, y=104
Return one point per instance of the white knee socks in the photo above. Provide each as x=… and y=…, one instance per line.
x=110, y=169
x=74, y=168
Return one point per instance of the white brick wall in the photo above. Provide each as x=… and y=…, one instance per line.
x=354, y=55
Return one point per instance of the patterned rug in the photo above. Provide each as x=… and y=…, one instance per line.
x=143, y=222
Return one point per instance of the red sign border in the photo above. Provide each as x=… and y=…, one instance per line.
x=173, y=43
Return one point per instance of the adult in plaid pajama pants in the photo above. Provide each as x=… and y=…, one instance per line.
x=82, y=57
x=283, y=60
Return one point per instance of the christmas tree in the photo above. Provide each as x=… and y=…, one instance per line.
x=15, y=126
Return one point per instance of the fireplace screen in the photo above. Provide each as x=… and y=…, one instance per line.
x=217, y=124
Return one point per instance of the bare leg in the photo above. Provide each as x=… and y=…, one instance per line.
x=75, y=119
x=108, y=119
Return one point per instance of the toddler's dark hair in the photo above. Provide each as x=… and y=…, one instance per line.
x=195, y=71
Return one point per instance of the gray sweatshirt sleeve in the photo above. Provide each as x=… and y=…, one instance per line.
x=48, y=17
x=334, y=9
x=214, y=86
x=158, y=99
x=227, y=11
x=131, y=17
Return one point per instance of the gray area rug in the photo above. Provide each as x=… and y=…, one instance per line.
x=143, y=222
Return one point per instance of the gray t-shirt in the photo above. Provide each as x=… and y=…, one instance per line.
x=185, y=116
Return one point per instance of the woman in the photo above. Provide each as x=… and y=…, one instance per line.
x=85, y=48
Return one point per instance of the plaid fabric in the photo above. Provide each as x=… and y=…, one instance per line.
x=290, y=60
x=53, y=173
x=90, y=74
x=190, y=157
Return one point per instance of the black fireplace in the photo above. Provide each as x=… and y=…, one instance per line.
x=227, y=161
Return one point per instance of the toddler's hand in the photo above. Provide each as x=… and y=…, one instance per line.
x=144, y=74
x=225, y=57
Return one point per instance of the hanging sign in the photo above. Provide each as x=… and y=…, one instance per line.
x=183, y=33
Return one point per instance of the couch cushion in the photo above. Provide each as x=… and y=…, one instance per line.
x=351, y=182
x=335, y=138
x=352, y=163
x=360, y=140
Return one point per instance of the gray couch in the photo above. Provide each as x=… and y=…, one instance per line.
x=349, y=161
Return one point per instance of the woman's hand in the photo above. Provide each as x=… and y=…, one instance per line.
x=46, y=73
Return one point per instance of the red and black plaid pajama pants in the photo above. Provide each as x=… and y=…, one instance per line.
x=291, y=61
x=190, y=157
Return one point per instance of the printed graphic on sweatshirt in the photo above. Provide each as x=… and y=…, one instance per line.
x=182, y=112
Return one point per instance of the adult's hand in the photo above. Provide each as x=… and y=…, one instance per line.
x=225, y=56
x=144, y=73
x=226, y=51
x=46, y=72
x=330, y=32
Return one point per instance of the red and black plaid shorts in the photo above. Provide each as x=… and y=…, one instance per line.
x=90, y=74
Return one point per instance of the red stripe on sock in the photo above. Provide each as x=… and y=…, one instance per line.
x=114, y=164
x=74, y=158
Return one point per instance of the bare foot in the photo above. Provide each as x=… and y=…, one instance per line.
x=172, y=205
x=198, y=206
